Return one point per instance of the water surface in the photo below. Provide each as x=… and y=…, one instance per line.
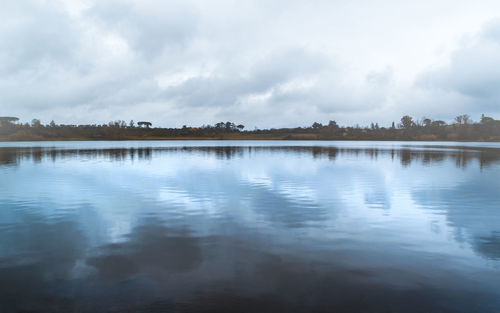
x=232, y=226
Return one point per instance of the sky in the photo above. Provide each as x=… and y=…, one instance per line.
x=257, y=62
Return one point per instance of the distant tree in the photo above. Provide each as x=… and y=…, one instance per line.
x=131, y=124
x=240, y=127
x=117, y=124
x=52, y=123
x=36, y=123
x=427, y=122
x=229, y=126
x=466, y=119
x=438, y=123
x=317, y=125
x=486, y=119
x=463, y=119
x=7, y=120
x=146, y=124
x=393, y=126
x=333, y=124
x=407, y=122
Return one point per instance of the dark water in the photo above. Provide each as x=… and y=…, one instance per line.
x=249, y=227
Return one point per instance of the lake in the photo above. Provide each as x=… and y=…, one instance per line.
x=249, y=226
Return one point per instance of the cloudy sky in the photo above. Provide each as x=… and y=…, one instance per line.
x=257, y=62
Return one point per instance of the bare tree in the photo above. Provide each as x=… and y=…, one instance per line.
x=466, y=119
x=463, y=119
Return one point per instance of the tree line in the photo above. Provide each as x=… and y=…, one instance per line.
x=461, y=129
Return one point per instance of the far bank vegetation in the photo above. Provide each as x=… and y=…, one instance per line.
x=462, y=128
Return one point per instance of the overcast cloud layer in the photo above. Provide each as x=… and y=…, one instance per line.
x=260, y=63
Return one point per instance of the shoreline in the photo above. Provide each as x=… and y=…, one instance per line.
x=233, y=139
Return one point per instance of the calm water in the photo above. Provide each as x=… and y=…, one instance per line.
x=249, y=227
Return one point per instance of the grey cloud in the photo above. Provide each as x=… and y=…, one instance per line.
x=149, y=29
x=472, y=74
x=34, y=36
x=266, y=75
x=228, y=61
x=109, y=59
x=289, y=81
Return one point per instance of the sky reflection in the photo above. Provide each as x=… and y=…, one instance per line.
x=266, y=227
